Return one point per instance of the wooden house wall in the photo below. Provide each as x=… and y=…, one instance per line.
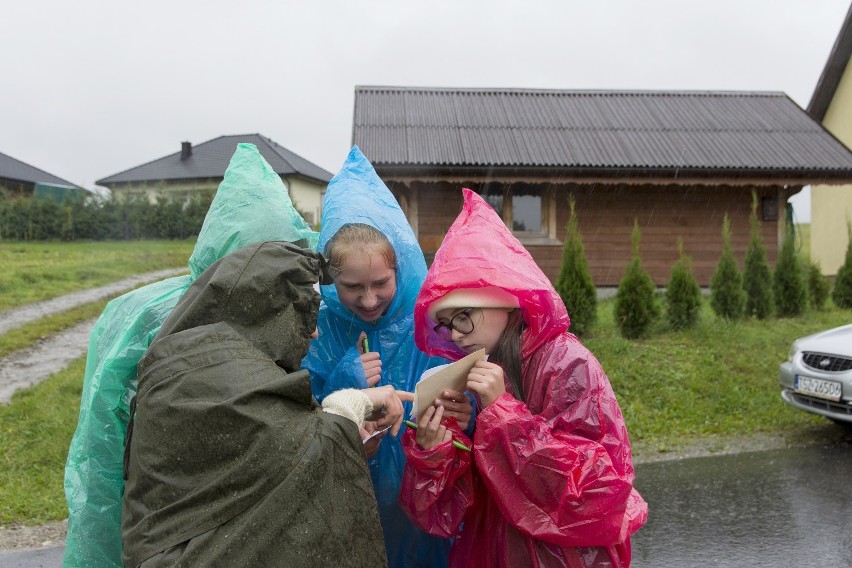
x=606, y=215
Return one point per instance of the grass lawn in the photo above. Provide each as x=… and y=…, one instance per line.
x=35, y=432
x=38, y=271
x=718, y=380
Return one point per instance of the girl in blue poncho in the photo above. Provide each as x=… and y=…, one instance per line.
x=367, y=238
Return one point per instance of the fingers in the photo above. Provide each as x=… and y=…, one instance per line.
x=453, y=406
x=487, y=381
x=372, y=368
x=405, y=396
x=430, y=431
x=454, y=395
x=387, y=400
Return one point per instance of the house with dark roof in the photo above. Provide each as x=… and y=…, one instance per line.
x=202, y=167
x=19, y=178
x=831, y=105
x=675, y=162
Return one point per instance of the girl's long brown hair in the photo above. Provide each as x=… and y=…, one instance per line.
x=508, y=352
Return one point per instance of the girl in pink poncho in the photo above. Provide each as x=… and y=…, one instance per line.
x=549, y=480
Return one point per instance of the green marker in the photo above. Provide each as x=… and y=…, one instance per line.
x=366, y=345
x=456, y=443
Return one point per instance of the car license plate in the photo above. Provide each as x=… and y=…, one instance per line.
x=820, y=388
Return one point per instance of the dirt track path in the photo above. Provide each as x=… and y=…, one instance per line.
x=27, y=367
x=25, y=314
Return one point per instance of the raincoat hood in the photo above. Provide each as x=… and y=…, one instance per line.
x=480, y=252
x=264, y=292
x=251, y=205
x=357, y=195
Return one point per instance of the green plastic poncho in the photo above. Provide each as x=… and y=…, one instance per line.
x=250, y=206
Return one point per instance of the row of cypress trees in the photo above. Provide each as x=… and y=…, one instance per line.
x=757, y=291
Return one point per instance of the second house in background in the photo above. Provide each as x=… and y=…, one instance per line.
x=201, y=168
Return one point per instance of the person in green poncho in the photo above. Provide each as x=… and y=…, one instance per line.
x=250, y=206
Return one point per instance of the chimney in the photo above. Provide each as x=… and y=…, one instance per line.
x=185, y=150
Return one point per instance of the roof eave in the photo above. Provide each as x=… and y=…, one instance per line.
x=833, y=71
x=786, y=176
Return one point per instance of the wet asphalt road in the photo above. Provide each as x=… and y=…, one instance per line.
x=39, y=558
x=779, y=508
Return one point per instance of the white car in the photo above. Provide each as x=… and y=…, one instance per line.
x=817, y=375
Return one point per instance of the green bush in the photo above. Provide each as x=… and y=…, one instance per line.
x=635, y=308
x=575, y=284
x=790, y=286
x=683, y=295
x=842, y=294
x=818, y=286
x=94, y=218
x=757, y=278
x=727, y=297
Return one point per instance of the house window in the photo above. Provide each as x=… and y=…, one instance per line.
x=494, y=194
x=525, y=208
x=769, y=208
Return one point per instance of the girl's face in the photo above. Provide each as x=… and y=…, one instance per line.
x=366, y=285
x=488, y=326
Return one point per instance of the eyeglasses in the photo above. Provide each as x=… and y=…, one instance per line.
x=461, y=322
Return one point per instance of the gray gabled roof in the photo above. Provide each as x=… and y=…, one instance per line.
x=17, y=171
x=595, y=132
x=833, y=71
x=210, y=160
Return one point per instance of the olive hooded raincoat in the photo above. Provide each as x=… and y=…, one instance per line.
x=251, y=205
x=229, y=460
x=358, y=195
x=549, y=481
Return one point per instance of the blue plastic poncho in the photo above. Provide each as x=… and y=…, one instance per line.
x=357, y=195
x=251, y=205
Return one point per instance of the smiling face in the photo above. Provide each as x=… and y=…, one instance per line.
x=366, y=284
x=488, y=326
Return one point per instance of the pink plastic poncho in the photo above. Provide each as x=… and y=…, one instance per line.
x=549, y=481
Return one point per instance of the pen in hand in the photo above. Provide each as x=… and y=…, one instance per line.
x=456, y=443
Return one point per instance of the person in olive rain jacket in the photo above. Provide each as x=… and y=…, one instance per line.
x=229, y=460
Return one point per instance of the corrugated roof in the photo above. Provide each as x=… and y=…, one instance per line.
x=594, y=130
x=210, y=160
x=833, y=71
x=16, y=170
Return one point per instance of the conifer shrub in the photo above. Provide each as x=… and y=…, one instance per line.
x=790, y=284
x=818, y=286
x=842, y=294
x=635, y=307
x=574, y=284
x=683, y=295
x=727, y=297
x=757, y=277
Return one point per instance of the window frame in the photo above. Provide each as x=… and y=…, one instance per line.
x=547, y=234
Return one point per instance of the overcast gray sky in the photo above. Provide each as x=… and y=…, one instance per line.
x=93, y=87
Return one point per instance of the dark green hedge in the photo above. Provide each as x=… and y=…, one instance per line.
x=29, y=219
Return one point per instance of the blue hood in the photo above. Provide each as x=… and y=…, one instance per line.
x=357, y=195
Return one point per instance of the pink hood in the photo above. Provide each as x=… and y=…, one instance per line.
x=479, y=251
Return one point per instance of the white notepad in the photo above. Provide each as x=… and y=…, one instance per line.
x=436, y=380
